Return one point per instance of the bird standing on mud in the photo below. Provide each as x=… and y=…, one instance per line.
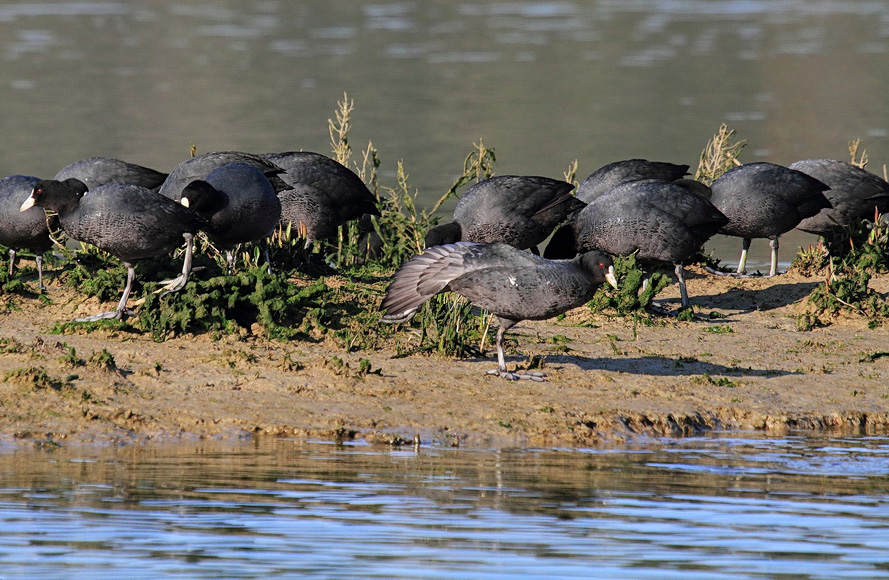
x=513, y=284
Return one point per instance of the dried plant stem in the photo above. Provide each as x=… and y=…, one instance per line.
x=719, y=155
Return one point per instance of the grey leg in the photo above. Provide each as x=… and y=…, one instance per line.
x=773, y=244
x=179, y=282
x=121, y=310
x=742, y=263
x=40, y=285
x=683, y=292
x=229, y=262
x=501, y=358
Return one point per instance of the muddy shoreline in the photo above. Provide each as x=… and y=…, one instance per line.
x=609, y=380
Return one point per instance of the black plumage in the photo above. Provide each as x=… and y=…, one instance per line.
x=513, y=284
x=27, y=230
x=127, y=221
x=521, y=211
x=765, y=200
x=854, y=193
x=200, y=166
x=618, y=172
x=322, y=194
x=238, y=203
x=659, y=222
x=96, y=171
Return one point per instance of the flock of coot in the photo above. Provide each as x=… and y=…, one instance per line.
x=489, y=251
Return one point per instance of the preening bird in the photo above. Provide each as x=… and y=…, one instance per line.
x=513, y=284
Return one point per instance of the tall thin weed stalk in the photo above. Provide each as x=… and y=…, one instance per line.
x=719, y=155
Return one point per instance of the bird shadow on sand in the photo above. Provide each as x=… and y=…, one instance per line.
x=656, y=365
x=745, y=300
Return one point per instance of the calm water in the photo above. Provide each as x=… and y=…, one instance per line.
x=543, y=83
x=706, y=508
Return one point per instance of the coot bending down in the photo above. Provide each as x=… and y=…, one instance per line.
x=96, y=171
x=854, y=194
x=511, y=209
x=239, y=205
x=200, y=166
x=323, y=194
x=618, y=172
x=127, y=221
x=656, y=220
x=29, y=229
x=764, y=200
x=513, y=284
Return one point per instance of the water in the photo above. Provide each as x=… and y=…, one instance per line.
x=709, y=508
x=543, y=82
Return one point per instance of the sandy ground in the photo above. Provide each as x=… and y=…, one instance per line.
x=607, y=381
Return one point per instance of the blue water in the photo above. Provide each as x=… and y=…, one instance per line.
x=707, y=508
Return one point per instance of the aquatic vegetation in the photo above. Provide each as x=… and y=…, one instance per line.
x=629, y=299
x=846, y=287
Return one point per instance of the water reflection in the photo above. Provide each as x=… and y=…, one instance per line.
x=543, y=83
x=700, y=508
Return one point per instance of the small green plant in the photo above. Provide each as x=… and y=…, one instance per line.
x=630, y=298
x=71, y=359
x=102, y=360
x=719, y=329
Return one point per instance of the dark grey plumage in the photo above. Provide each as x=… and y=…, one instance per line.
x=23, y=230
x=764, y=200
x=324, y=194
x=513, y=284
x=618, y=172
x=200, y=166
x=854, y=194
x=658, y=221
x=238, y=203
x=127, y=221
x=96, y=171
x=521, y=211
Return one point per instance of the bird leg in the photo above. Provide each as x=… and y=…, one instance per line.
x=742, y=263
x=268, y=260
x=39, y=260
x=178, y=283
x=229, y=262
x=773, y=244
x=501, y=371
x=683, y=292
x=11, y=261
x=121, y=310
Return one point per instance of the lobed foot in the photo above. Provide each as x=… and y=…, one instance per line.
x=174, y=285
x=515, y=376
x=110, y=315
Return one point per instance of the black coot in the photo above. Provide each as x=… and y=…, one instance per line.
x=658, y=221
x=23, y=230
x=618, y=172
x=513, y=284
x=127, y=221
x=96, y=171
x=854, y=193
x=200, y=166
x=764, y=200
x=324, y=194
x=238, y=203
x=518, y=210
